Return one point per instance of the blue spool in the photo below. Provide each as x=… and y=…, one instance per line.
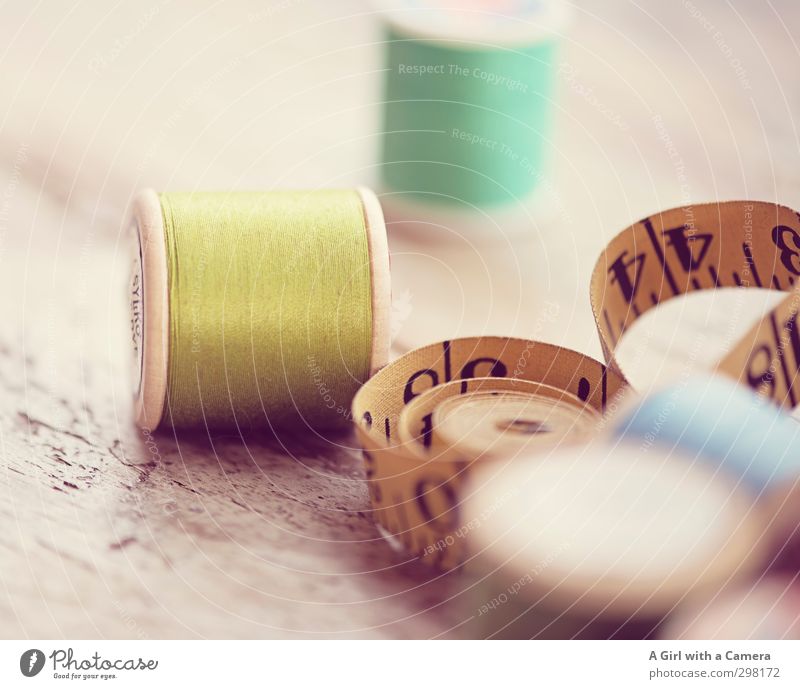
x=722, y=421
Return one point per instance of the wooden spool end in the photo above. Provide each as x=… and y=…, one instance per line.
x=381, y=278
x=149, y=302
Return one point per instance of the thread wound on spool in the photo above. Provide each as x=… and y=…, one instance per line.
x=274, y=306
x=467, y=111
x=712, y=417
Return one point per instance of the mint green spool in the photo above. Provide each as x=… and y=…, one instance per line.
x=467, y=113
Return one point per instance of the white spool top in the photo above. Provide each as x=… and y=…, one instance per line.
x=505, y=422
x=617, y=530
x=483, y=23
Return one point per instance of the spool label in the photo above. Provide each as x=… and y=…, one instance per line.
x=136, y=305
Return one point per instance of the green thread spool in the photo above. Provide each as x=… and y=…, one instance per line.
x=467, y=99
x=256, y=309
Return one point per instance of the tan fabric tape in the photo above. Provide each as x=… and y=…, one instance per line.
x=415, y=496
x=683, y=250
x=416, y=490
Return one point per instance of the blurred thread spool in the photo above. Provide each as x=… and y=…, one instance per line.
x=730, y=427
x=467, y=107
x=768, y=609
x=497, y=612
x=256, y=309
x=602, y=541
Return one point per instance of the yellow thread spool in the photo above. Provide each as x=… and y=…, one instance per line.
x=256, y=310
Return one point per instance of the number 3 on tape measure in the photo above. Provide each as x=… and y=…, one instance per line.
x=767, y=357
x=790, y=257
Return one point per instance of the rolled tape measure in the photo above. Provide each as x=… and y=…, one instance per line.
x=256, y=309
x=467, y=107
x=418, y=488
x=415, y=476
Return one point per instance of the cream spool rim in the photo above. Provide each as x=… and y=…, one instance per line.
x=446, y=25
x=564, y=419
x=147, y=224
x=151, y=392
x=569, y=574
x=444, y=400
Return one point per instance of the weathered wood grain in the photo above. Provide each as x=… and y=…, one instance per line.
x=106, y=533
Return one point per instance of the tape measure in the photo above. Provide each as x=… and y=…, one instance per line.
x=684, y=250
x=417, y=465
x=414, y=475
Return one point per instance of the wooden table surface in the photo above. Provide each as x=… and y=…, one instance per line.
x=106, y=533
